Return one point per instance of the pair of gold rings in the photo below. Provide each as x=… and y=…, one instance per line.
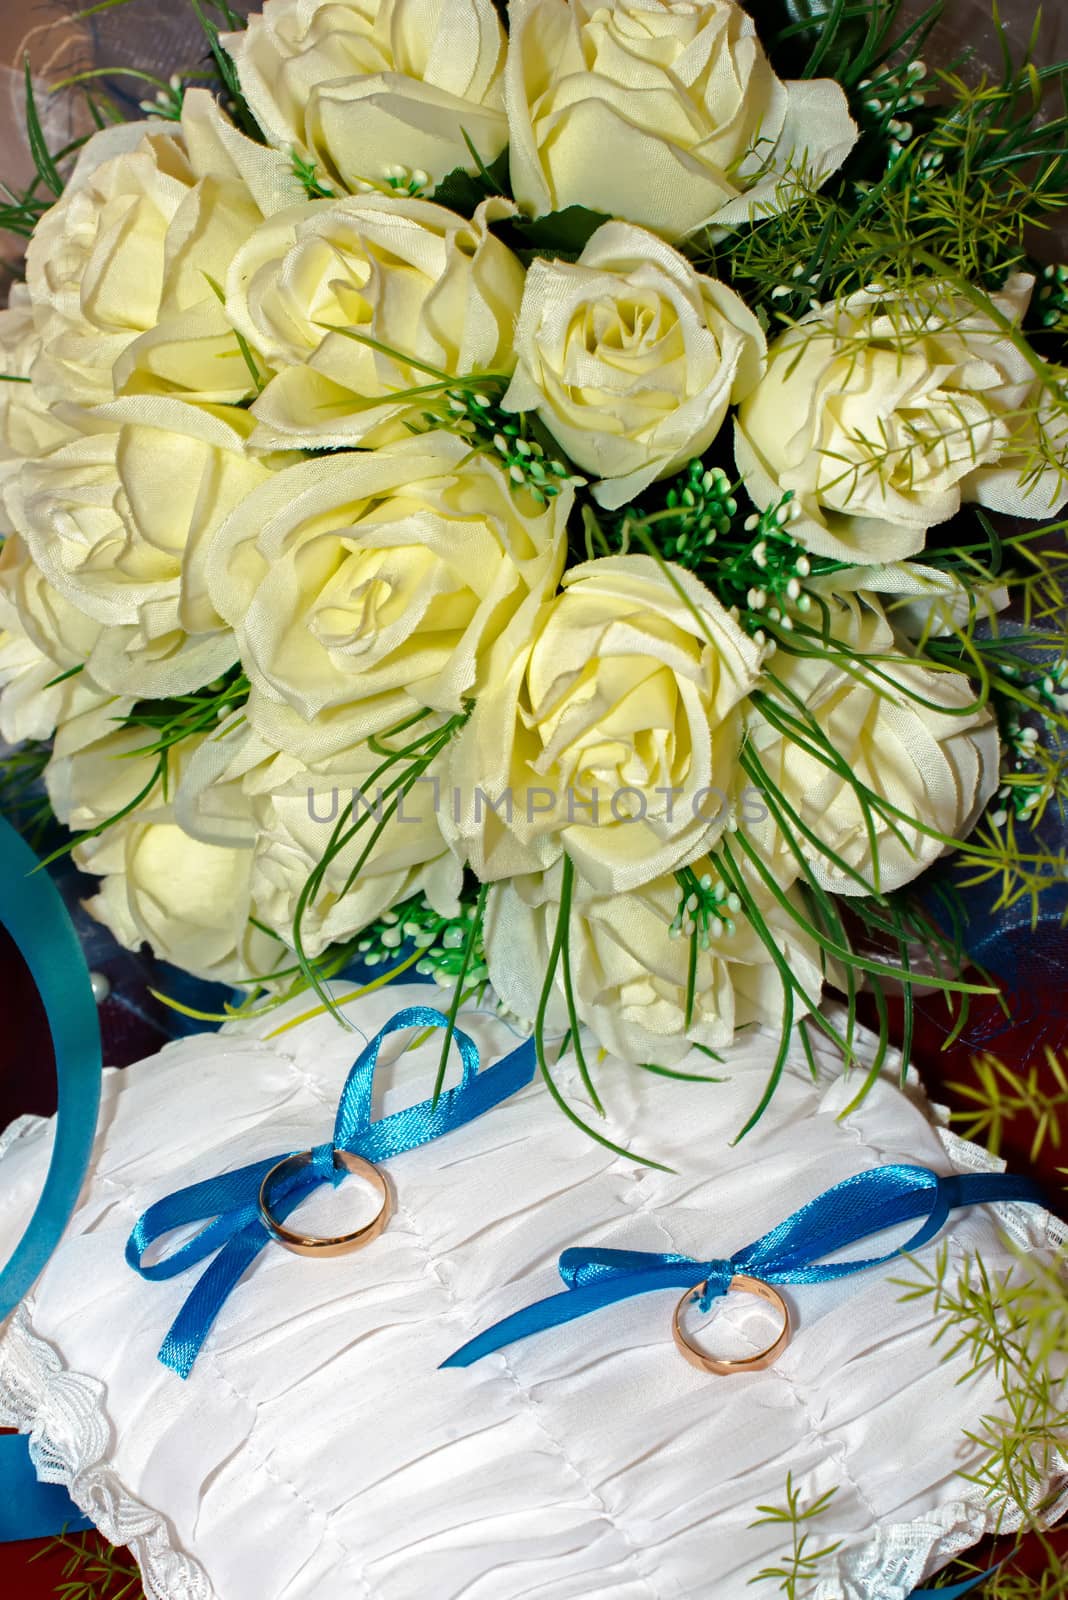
x=311, y=1245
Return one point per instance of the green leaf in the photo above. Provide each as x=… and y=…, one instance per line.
x=463, y=191
x=42, y=157
x=562, y=234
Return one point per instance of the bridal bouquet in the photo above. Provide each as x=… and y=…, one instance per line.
x=529, y=495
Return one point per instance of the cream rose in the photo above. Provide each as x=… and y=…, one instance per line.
x=120, y=270
x=609, y=728
x=120, y=523
x=237, y=790
x=409, y=274
x=97, y=767
x=42, y=637
x=374, y=90
x=631, y=358
x=32, y=703
x=57, y=628
x=27, y=427
x=663, y=112
x=629, y=972
x=883, y=414
x=365, y=586
x=190, y=902
x=938, y=769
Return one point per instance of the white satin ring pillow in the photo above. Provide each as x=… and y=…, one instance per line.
x=317, y=1449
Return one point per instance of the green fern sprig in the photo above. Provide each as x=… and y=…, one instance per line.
x=22, y=798
x=999, y=1095
x=963, y=186
x=93, y=1569
x=1015, y=1327
x=801, y=1563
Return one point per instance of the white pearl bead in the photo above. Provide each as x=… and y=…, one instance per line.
x=100, y=986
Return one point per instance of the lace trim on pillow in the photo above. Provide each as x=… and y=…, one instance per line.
x=70, y=1441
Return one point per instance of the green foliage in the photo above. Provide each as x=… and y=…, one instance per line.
x=800, y=1564
x=559, y=960
x=464, y=191
x=21, y=212
x=93, y=1570
x=1014, y=1327
x=999, y=1096
x=22, y=798
x=443, y=944
x=844, y=39
x=400, y=768
x=46, y=167
x=707, y=909
x=308, y=174
x=560, y=235
x=209, y=14
x=950, y=190
x=168, y=724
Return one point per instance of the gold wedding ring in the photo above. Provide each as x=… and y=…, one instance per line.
x=308, y=1245
x=705, y=1363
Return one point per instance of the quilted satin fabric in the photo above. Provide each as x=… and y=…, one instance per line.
x=316, y=1445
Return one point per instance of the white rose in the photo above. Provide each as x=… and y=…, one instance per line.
x=190, y=902
x=881, y=415
x=120, y=523
x=58, y=629
x=938, y=769
x=365, y=586
x=27, y=427
x=98, y=767
x=41, y=638
x=629, y=973
x=664, y=112
x=921, y=602
x=119, y=268
x=373, y=90
x=32, y=702
x=237, y=790
x=631, y=358
x=412, y=275
x=609, y=729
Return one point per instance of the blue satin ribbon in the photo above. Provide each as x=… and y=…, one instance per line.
x=30, y=1509
x=792, y=1253
x=229, y=1204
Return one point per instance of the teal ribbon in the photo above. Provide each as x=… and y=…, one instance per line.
x=229, y=1204
x=32, y=911
x=794, y=1252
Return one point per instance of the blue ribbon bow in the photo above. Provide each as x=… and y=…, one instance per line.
x=229, y=1204
x=792, y=1253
